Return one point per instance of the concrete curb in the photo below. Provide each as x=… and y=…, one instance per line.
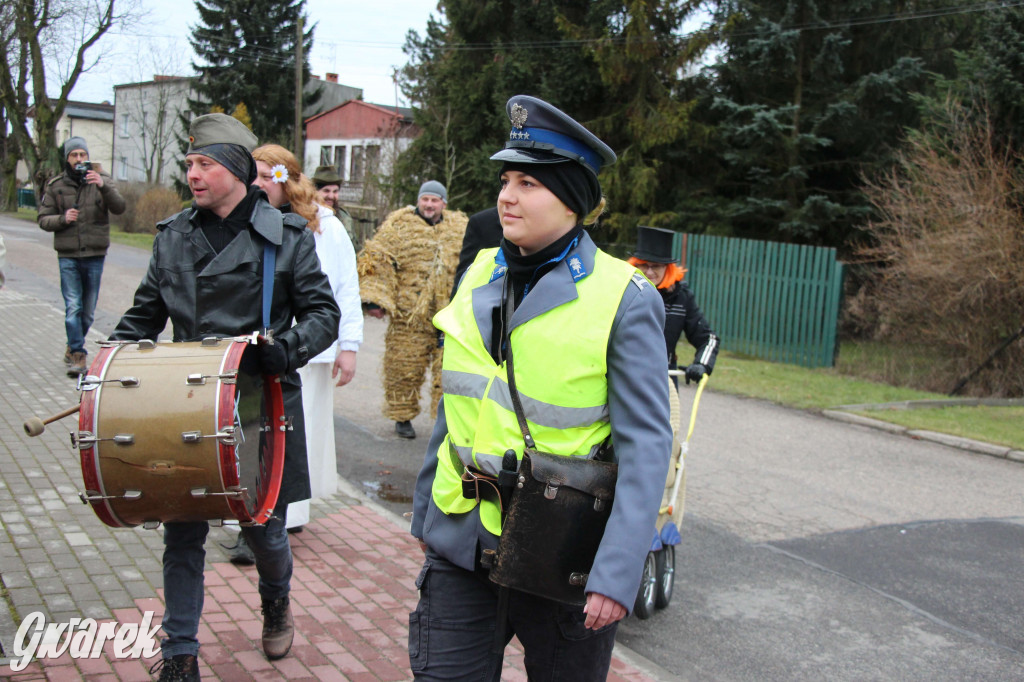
x=976, y=446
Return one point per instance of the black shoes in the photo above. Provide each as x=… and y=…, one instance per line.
x=404, y=429
x=241, y=553
x=180, y=668
x=278, y=628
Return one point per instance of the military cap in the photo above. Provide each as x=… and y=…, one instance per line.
x=211, y=129
x=654, y=244
x=326, y=175
x=542, y=133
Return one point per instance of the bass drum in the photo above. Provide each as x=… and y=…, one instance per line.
x=180, y=432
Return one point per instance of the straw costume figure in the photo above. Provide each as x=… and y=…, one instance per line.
x=406, y=272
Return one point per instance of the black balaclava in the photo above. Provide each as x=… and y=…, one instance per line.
x=574, y=185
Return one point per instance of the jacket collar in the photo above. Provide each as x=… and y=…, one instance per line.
x=554, y=289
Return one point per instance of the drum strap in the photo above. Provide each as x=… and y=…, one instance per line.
x=269, y=262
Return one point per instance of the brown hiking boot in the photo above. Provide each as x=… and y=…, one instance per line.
x=67, y=356
x=77, y=365
x=278, y=628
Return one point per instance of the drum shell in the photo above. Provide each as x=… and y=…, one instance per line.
x=172, y=425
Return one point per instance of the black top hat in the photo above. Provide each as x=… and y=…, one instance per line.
x=543, y=134
x=654, y=244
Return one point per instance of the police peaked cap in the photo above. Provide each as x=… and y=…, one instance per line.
x=542, y=133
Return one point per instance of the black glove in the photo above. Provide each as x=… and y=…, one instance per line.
x=274, y=357
x=695, y=372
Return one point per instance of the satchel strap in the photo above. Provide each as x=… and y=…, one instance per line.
x=506, y=341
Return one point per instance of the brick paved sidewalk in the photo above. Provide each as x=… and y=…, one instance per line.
x=355, y=565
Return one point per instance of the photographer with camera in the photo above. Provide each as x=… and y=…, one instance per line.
x=75, y=207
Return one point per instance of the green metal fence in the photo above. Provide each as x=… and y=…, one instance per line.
x=779, y=302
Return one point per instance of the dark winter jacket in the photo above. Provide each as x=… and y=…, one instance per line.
x=204, y=293
x=683, y=315
x=90, y=234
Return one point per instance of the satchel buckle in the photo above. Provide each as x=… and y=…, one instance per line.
x=578, y=579
x=550, y=491
x=598, y=504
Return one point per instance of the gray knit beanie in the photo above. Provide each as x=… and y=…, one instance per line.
x=434, y=188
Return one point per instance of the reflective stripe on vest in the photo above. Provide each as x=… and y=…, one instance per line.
x=562, y=385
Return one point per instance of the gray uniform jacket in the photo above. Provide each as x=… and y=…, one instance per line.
x=641, y=430
x=205, y=293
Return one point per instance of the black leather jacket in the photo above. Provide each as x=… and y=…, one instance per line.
x=204, y=293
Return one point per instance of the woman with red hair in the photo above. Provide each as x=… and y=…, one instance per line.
x=653, y=257
x=278, y=174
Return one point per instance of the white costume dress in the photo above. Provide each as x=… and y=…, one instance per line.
x=338, y=261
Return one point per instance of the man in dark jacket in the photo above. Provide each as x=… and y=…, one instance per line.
x=75, y=207
x=205, y=276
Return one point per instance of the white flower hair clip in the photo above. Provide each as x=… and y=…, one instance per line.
x=279, y=174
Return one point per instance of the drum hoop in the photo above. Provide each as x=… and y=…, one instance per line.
x=225, y=417
x=276, y=442
x=90, y=457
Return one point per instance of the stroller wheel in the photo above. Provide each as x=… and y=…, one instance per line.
x=665, y=561
x=644, y=606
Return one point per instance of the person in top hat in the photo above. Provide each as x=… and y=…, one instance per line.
x=206, y=277
x=328, y=181
x=406, y=272
x=76, y=207
x=589, y=368
x=654, y=257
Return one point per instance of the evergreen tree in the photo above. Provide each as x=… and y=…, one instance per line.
x=613, y=66
x=809, y=97
x=246, y=56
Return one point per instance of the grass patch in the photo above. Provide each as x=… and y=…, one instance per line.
x=802, y=387
x=142, y=240
x=825, y=388
x=996, y=425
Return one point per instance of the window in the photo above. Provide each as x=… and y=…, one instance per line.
x=325, y=155
x=372, y=158
x=357, y=169
x=339, y=159
x=124, y=125
x=122, y=168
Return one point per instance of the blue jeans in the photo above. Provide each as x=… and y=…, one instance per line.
x=451, y=632
x=184, y=557
x=80, y=286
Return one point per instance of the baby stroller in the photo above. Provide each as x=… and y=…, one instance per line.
x=659, y=575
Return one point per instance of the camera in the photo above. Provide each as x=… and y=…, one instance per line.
x=84, y=167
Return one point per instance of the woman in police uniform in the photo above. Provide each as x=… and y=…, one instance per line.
x=589, y=365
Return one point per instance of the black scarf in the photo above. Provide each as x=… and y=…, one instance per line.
x=219, y=232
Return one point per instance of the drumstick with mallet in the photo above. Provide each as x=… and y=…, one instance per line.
x=35, y=426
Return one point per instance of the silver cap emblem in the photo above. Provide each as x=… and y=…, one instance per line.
x=518, y=115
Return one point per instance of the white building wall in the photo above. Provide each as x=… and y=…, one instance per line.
x=140, y=136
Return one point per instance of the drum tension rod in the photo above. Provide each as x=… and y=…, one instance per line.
x=91, y=382
x=95, y=496
x=234, y=491
x=227, y=436
x=86, y=439
x=200, y=379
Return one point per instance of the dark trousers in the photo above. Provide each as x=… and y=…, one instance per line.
x=451, y=632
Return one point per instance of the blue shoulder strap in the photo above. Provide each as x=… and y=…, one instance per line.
x=269, y=262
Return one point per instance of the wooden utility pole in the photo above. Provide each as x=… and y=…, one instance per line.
x=298, y=92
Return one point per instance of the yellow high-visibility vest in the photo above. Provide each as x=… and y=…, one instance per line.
x=561, y=377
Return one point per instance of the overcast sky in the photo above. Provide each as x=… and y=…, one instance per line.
x=358, y=39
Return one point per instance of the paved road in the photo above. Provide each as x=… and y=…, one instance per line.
x=812, y=548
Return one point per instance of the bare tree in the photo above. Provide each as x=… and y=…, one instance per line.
x=40, y=38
